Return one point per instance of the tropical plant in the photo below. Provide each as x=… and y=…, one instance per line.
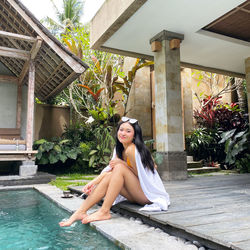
x=77, y=133
x=206, y=116
x=51, y=152
x=202, y=144
x=67, y=19
x=96, y=87
x=237, y=148
x=215, y=115
x=99, y=156
x=212, y=81
x=227, y=119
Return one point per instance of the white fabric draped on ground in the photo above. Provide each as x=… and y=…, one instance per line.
x=151, y=185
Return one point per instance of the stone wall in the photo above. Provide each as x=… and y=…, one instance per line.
x=50, y=120
x=139, y=102
x=140, y=99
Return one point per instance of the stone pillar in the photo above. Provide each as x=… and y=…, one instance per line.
x=247, y=65
x=187, y=99
x=171, y=158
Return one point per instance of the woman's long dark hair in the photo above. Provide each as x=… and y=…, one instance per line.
x=146, y=157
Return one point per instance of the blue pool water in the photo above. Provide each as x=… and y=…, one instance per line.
x=30, y=221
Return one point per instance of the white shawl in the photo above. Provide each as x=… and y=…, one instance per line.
x=151, y=185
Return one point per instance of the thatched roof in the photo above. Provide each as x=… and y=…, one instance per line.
x=23, y=37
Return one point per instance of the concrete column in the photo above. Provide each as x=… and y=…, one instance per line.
x=172, y=159
x=247, y=65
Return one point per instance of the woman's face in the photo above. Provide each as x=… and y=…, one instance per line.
x=125, y=133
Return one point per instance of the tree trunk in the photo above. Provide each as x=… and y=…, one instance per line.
x=241, y=94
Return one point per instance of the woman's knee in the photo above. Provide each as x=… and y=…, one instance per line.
x=119, y=168
x=107, y=177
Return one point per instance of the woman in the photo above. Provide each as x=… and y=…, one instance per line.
x=131, y=175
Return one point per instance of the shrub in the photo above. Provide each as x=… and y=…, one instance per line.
x=77, y=133
x=101, y=151
x=223, y=117
x=81, y=148
x=206, y=116
x=202, y=143
x=51, y=152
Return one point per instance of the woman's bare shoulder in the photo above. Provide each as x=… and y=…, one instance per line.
x=130, y=151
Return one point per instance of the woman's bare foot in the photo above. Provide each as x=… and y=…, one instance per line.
x=76, y=216
x=99, y=215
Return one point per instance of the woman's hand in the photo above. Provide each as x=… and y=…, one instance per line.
x=116, y=161
x=88, y=188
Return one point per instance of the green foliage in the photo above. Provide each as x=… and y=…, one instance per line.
x=67, y=19
x=99, y=156
x=82, y=147
x=77, y=133
x=215, y=115
x=74, y=176
x=63, y=184
x=51, y=152
x=237, y=148
x=202, y=143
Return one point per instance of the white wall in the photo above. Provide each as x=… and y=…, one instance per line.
x=8, y=96
x=8, y=102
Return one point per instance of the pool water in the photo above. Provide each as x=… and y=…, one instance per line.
x=30, y=221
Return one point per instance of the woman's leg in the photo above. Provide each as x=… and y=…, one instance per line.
x=122, y=181
x=97, y=194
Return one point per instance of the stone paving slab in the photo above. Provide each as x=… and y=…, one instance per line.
x=16, y=180
x=229, y=199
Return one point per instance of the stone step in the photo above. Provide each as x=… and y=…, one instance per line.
x=194, y=164
x=203, y=170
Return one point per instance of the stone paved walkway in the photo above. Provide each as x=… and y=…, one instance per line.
x=214, y=210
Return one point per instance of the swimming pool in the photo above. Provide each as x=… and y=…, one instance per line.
x=30, y=221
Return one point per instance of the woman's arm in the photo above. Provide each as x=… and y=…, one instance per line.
x=116, y=161
x=88, y=188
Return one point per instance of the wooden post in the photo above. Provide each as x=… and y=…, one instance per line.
x=19, y=106
x=30, y=106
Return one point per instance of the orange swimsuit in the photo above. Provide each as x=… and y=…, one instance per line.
x=128, y=162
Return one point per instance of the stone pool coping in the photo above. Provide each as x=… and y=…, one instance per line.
x=124, y=232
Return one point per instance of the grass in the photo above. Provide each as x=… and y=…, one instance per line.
x=222, y=172
x=65, y=180
x=75, y=176
x=62, y=184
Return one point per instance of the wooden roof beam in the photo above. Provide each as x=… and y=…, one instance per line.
x=36, y=47
x=17, y=36
x=33, y=53
x=15, y=53
x=6, y=78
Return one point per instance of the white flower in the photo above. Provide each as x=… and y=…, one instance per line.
x=90, y=120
